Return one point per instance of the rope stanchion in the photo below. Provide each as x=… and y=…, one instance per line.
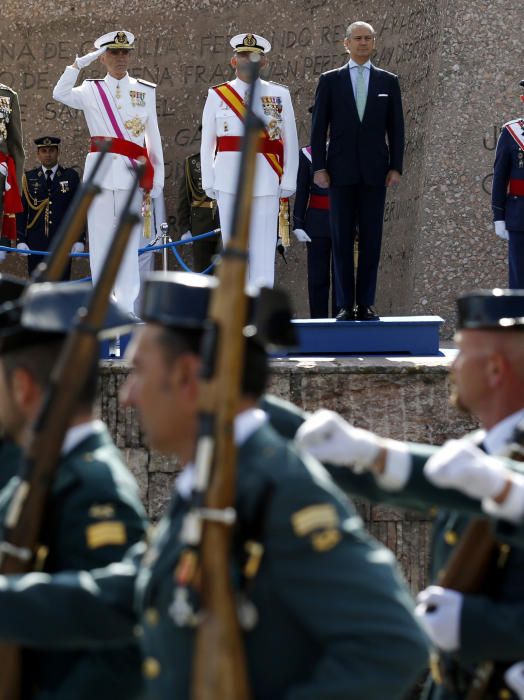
x=147, y=249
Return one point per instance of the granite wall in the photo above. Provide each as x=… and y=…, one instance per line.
x=183, y=47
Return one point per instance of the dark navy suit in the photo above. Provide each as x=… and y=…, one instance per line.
x=357, y=160
x=311, y=214
x=35, y=227
x=507, y=196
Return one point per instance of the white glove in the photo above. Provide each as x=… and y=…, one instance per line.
x=285, y=194
x=4, y=171
x=22, y=246
x=500, y=230
x=186, y=236
x=328, y=437
x=78, y=247
x=84, y=61
x=3, y=255
x=514, y=677
x=156, y=191
x=461, y=465
x=438, y=611
x=301, y=235
x=210, y=193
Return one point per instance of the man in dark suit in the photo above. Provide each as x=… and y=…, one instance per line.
x=47, y=192
x=360, y=105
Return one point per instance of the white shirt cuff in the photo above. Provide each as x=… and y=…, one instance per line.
x=398, y=467
x=513, y=507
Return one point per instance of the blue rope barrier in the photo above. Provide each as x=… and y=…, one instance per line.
x=147, y=249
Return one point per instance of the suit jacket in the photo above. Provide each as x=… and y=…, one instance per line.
x=509, y=165
x=358, y=152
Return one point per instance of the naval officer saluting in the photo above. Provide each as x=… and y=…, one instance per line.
x=123, y=109
x=277, y=157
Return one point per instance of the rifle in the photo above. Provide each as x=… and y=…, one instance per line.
x=219, y=664
x=20, y=538
x=468, y=569
x=52, y=269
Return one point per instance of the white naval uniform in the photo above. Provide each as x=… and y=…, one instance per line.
x=117, y=179
x=220, y=171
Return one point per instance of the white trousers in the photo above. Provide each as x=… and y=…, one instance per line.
x=102, y=220
x=262, y=235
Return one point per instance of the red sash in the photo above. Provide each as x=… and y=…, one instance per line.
x=318, y=201
x=12, y=202
x=129, y=149
x=233, y=100
x=516, y=188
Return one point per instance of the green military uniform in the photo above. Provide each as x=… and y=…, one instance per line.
x=11, y=141
x=334, y=618
x=197, y=213
x=93, y=516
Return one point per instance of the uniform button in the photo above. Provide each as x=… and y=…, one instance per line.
x=152, y=617
x=151, y=667
x=450, y=538
x=505, y=694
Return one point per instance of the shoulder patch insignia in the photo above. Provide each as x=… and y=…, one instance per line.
x=312, y=518
x=93, y=80
x=105, y=534
x=272, y=82
x=145, y=82
x=326, y=540
x=102, y=511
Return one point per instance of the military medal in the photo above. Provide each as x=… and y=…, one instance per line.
x=136, y=126
x=520, y=157
x=138, y=99
x=272, y=106
x=64, y=186
x=5, y=111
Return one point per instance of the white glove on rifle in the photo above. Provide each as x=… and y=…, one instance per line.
x=514, y=677
x=78, y=247
x=84, y=61
x=501, y=231
x=328, y=437
x=438, y=611
x=4, y=172
x=301, y=235
x=22, y=246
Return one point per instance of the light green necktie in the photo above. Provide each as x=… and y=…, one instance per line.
x=361, y=93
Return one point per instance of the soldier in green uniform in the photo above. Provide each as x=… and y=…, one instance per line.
x=11, y=161
x=94, y=512
x=333, y=618
x=197, y=214
x=467, y=630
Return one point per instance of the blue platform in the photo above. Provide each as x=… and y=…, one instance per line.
x=403, y=335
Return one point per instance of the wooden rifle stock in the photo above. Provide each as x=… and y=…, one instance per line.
x=20, y=537
x=52, y=268
x=219, y=663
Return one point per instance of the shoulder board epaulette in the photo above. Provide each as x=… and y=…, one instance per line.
x=512, y=121
x=146, y=82
x=217, y=85
x=272, y=82
x=94, y=80
x=6, y=87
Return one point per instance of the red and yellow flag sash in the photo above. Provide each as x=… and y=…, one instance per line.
x=233, y=100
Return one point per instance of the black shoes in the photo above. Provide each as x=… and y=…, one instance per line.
x=362, y=313
x=345, y=315
x=366, y=313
